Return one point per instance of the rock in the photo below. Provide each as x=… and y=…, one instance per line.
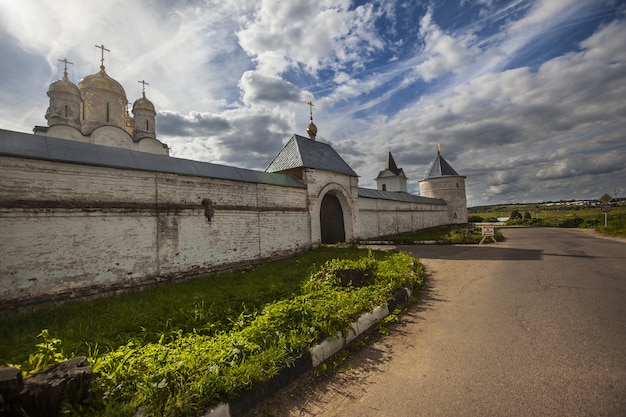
x=45, y=391
x=11, y=383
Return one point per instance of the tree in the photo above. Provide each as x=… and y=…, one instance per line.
x=515, y=215
x=527, y=215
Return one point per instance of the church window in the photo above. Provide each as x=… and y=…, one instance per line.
x=147, y=127
x=384, y=187
x=66, y=111
x=107, y=112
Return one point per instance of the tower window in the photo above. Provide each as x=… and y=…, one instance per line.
x=384, y=187
x=66, y=111
x=147, y=127
x=107, y=112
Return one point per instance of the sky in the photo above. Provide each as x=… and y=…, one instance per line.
x=527, y=98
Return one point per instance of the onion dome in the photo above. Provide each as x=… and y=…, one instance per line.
x=101, y=81
x=312, y=130
x=64, y=85
x=143, y=104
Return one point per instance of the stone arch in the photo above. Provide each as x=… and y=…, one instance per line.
x=334, y=215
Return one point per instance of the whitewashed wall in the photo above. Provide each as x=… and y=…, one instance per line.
x=70, y=230
x=386, y=217
x=74, y=230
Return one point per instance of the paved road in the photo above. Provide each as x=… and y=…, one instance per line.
x=535, y=326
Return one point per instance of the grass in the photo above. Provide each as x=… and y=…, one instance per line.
x=205, y=304
x=175, y=349
x=561, y=215
x=444, y=235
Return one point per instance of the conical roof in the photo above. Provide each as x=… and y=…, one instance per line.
x=440, y=168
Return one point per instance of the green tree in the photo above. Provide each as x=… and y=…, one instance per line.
x=515, y=215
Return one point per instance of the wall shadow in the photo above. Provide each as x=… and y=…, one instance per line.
x=472, y=252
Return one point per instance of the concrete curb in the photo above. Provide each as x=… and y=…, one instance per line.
x=317, y=355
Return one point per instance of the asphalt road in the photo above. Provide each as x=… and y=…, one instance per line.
x=534, y=326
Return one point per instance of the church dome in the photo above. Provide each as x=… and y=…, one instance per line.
x=64, y=85
x=143, y=104
x=101, y=81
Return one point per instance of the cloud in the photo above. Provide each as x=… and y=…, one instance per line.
x=442, y=52
x=257, y=88
x=245, y=136
x=194, y=124
x=311, y=34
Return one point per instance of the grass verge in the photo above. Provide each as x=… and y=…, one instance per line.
x=176, y=349
x=442, y=235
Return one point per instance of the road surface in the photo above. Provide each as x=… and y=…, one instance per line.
x=534, y=326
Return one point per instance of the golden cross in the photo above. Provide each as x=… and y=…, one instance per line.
x=103, y=49
x=65, y=61
x=143, y=88
x=310, y=103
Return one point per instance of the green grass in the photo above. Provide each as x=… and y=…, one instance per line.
x=567, y=215
x=205, y=304
x=176, y=349
x=445, y=235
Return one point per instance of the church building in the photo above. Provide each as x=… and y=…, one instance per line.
x=93, y=203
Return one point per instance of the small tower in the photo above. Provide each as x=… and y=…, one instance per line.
x=391, y=178
x=443, y=182
x=143, y=116
x=65, y=102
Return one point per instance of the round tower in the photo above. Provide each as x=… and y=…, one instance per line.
x=65, y=102
x=143, y=117
x=444, y=183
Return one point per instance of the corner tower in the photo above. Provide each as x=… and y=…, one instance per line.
x=443, y=182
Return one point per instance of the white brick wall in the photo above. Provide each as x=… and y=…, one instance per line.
x=74, y=230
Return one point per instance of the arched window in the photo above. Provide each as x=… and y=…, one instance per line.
x=66, y=111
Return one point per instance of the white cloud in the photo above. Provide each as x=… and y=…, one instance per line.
x=309, y=33
x=442, y=52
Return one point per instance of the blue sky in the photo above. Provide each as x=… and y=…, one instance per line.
x=526, y=98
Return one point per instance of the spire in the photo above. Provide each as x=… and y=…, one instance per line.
x=312, y=129
x=391, y=164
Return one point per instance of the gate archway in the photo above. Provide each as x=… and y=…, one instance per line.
x=331, y=220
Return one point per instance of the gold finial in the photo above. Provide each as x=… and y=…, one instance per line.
x=312, y=129
x=143, y=87
x=65, y=61
x=102, y=60
x=438, y=149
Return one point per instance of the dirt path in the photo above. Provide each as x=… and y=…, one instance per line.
x=532, y=326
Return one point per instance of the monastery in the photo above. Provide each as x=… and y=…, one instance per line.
x=93, y=203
